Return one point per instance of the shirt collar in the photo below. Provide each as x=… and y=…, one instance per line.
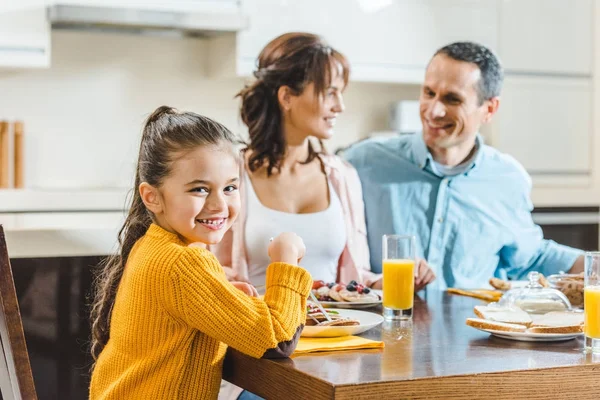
x=422, y=157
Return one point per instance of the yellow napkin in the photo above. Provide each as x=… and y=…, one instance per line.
x=310, y=345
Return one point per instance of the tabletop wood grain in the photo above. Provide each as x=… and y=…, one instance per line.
x=435, y=356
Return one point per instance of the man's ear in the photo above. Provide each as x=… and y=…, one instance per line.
x=150, y=197
x=492, y=106
x=284, y=96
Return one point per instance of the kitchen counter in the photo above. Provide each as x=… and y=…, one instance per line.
x=61, y=234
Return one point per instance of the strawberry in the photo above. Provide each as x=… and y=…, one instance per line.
x=318, y=284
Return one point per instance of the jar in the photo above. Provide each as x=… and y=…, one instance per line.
x=536, y=299
x=571, y=285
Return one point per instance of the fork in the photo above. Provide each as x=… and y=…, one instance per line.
x=314, y=299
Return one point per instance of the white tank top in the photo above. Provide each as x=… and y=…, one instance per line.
x=323, y=232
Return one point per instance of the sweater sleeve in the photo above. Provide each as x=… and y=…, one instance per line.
x=204, y=299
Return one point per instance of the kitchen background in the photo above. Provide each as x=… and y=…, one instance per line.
x=83, y=91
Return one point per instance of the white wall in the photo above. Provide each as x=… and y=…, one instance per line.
x=83, y=116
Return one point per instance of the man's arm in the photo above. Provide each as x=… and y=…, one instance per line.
x=577, y=265
x=529, y=251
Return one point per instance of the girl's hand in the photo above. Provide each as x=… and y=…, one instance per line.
x=423, y=274
x=288, y=248
x=246, y=288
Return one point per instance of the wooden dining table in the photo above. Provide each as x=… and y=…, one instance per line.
x=434, y=356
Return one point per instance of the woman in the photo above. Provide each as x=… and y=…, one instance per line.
x=291, y=183
x=288, y=182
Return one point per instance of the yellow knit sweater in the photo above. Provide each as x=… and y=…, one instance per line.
x=175, y=314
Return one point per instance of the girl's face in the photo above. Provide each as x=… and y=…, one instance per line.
x=200, y=200
x=313, y=114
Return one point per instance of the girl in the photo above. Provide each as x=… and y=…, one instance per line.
x=164, y=312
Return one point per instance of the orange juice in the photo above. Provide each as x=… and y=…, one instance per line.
x=398, y=284
x=591, y=299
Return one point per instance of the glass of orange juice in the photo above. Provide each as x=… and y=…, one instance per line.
x=591, y=301
x=398, y=276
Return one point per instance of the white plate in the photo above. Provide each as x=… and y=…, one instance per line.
x=349, y=304
x=532, y=337
x=367, y=320
x=354, y=304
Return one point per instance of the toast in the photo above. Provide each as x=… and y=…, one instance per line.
x=556, y=329
x=482, y=294
x=513, y=315
x=558, y=318
x=493, y=325
x=558, y=322
x=499, y=284
x=340, y=322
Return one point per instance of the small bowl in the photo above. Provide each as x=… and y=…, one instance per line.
x=571, y=285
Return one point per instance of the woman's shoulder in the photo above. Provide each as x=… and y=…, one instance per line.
x=337, y=163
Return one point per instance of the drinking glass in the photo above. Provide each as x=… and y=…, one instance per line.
x=398, y=276
x=591, y=301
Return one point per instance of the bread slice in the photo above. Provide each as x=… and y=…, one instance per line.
x=512, y=315
x=558, y=319
x=556, y=329
x=493, y=325
x=557, y=322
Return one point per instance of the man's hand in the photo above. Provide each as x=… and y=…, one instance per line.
x=423, y=274
x=246, y=288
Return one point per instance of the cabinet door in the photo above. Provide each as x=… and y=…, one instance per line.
x=391, y=44
x=549, y=36
x=546, y=124
x=160, y=5
x=24, y=38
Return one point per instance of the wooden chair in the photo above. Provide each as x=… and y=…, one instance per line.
x=16, y=380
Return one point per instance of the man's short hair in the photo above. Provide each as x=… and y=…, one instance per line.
x=492, y=75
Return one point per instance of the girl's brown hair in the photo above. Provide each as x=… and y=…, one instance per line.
x=294, y=60
x=167, y=133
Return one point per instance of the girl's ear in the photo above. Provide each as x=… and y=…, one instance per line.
x=150, y=197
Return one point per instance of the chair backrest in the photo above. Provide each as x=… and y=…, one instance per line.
x=16, y=380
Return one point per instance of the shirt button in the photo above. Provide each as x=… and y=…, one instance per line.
x=440, y=219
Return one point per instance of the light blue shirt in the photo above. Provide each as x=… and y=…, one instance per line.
x=469, y=227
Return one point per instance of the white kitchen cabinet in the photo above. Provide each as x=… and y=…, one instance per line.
x=157, y=5
x=24, y=38
x=546, y=124
x=392, y=44
x=546, y=36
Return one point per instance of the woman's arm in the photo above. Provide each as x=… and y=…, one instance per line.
x=355, y=261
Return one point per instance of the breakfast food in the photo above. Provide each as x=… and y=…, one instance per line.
x=482, y=294
x=558, y=319
x=556, y=329
x=314, y=317
x=353, y=292
x=540, y=306
x=510, y=315
x=512, y=319
x=481, y=323
x=570, y=285
x=499, y=284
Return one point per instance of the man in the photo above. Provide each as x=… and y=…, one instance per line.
x=467, y=204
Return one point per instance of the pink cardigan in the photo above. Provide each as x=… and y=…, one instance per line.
x=354, y=263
